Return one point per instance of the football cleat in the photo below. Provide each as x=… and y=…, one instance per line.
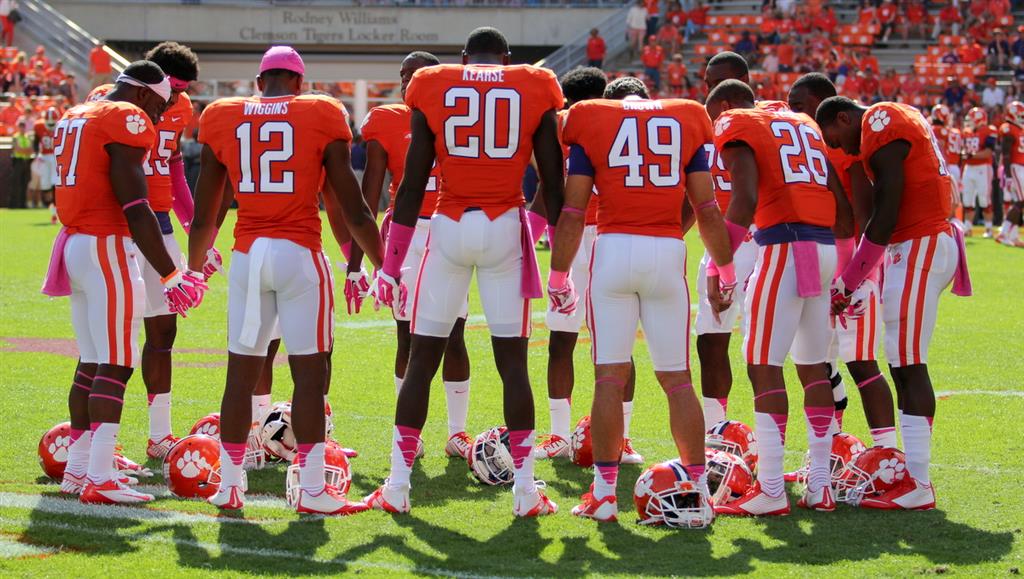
x=819, y=500
x=630, y=456
x=159, y=449
x=129, y=467
x=756, y=503
x=329, y=501
x=389, y=500
x=604, y=510
x=112, y=492
x=907, y=495
x=459, y=445
x=350, y=452
x=552, y=446
x=71, y=484
x=230, y=498
x=337, y=473
x=665, y=494
x=535, y=504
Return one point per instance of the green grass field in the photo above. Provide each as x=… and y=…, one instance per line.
x=460, y=528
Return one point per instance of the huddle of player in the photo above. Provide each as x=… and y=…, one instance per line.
x=800, y=217
x=975, y=148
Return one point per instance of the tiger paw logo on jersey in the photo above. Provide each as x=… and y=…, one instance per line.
x=721, y=125
x=59, y=448
x=896, y=258
x=192, y=464
x=879, y=120
x=135, y=124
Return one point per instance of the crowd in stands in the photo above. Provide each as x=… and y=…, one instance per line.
x=31, y=84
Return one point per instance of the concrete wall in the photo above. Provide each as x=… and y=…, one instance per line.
x=318, y=25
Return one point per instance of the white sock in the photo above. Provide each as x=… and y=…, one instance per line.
x=819, y=448
x=311, y=468
x=627, y=417
x=457, y=395
x=988, y=225
x=561, y=414
x=521, y=448
x=230, y=472
x=260, y=404
x=917, y=442
x=101, y=456
x=403, y=455
x=78, y=455
x=771, y=439
x=884, y=437
x=714, y=412
x=160, y=416
x=398, y=385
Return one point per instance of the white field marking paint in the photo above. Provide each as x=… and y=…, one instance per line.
x=148, y=537
x=270, y=501
x=1005, y=393
x=12, y=549
x=139, y=514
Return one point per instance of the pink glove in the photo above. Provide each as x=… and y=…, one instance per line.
x=184, y=291
x=860, y=299
x=561, y=293
x=357, y=287
x=390, y=292
x=840, y=298
x=727, y=280
x=214, y=263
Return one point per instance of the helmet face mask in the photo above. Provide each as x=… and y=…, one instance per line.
x=665, y=495
x=489, y=459
x=727, y=475
x=873, y=472
x=276, y=433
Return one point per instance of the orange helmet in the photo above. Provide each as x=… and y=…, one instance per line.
x=581, y=445
x=941, y=114
x=50, y=117
x=845, y=449
x=53, y=450
x=873, y=472
x=192, y=467
x=1015, y=112
x=734, y=437
x=728, y=476
x=337, y=473
x=489, y=459
x=208, y=425
x=975, y=118
x=666, y=495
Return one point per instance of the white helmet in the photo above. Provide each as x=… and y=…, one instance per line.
x=489, y=458
x=276, y=434
x=666, y=495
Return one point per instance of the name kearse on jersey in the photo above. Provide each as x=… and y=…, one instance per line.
x=483, y=75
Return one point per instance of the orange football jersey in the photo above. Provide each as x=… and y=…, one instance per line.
x=45, y=136
x=273, y=148
x=927, y=187
x=85, y=197
x=842, y=161
x=389, y=126
x=639, y=152
x=157, y=162
x=975, y=140
x=791, y=163
x=1017, y=134
x=484, y=118
x=591, y=216
x=951, y=143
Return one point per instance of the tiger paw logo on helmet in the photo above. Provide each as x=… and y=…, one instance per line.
x=59, y=448
x=891, y=470
x=192, y=463
x=722, y=125
x=135, y=124
x=879, y=120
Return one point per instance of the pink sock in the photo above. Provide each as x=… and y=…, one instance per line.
x=404, y=443
x=521, y=447
x=311, y=467
x=606, y=476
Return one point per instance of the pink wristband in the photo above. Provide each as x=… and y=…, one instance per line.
x=711, y=270
x=737, y=233
x=711, y=203
x=844, y=252
x=131, y=204
x=558, y=279
x=399, y=240
x=863, y=262
x=573, y=210
x=727, y=273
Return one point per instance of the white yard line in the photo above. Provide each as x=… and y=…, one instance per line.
x=1005, y=393
x=12, y=549
x=148, y=537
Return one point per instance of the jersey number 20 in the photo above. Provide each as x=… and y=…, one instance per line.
x=495, y=146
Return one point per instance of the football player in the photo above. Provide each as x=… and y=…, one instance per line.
x=714, y=329
x=641, y=155
x=578, y=85
x=780, y=182
x=165, y=177
x=855, y=341
x=481, y=120
x=979, y=140
x=386, y=132
x=1012, y=132
x=951, y=143
x=274, y=149
x=43, y=144
x=103, y=204
x=922, y=254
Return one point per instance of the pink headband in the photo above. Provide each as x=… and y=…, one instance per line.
x=177, y=84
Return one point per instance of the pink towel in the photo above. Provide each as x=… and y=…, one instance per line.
x=961, y=277
x=58, y=282
x=808, y=270
x=385, y=224
x=530, y=287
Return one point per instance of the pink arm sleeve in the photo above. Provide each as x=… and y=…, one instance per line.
x=863, y=262
x=399, y=240
x=182, y=204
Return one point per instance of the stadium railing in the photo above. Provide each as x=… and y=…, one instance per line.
x=574, y=52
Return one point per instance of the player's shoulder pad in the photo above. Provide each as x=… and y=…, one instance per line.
x=383, y=114
x=99, y=92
